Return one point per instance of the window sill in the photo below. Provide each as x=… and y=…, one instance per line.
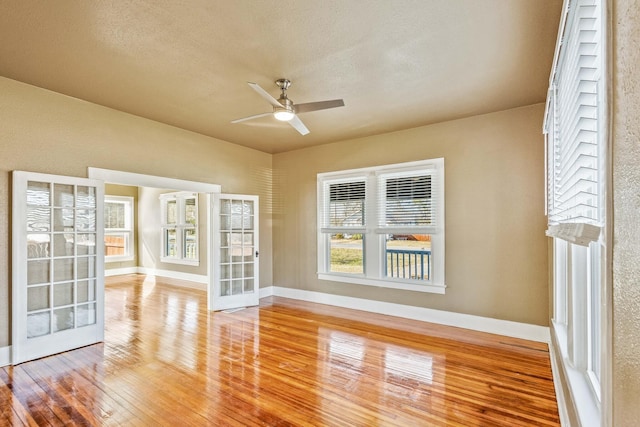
x=433, y=288
x=582, y=393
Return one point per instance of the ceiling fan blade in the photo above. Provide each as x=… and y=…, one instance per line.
x=255, y=116
x=315, y=106
x=297, y=124
x=263, y=93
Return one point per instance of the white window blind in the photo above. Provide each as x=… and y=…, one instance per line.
x=574, y=191
x=406, y=200
x=344, y=204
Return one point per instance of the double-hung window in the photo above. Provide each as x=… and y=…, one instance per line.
x=576, y=180
x=118, y=228
x=180, y=228
x=383, y=226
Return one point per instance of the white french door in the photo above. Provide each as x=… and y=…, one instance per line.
x=235, y=255
x=58, y=264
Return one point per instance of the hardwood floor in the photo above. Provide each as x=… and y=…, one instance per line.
x=167, y=361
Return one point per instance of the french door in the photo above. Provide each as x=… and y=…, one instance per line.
x=235, y=255
x=58, y=264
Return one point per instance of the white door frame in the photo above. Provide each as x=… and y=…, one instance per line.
x=142, y=180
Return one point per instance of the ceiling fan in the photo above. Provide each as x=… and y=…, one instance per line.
x=285, y=110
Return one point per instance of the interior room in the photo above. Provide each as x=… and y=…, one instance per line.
x=320, y=213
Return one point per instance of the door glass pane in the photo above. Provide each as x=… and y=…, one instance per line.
x=62, y=245
x=225, y=222
x=236, y=270
x=38, y=272
x=86, y=314
x=38, y=245
x=225, y=255
x=248, y=286
x=86, y=220
x=63, y=219
x=62, y=269
x=248, y=254
x=62, y=294
x=248, y=216
x=62, y=319
x=225, y=288
x=224, y=239
x=247, y=239
x=63, y=195
x=86, y=197
x=236, y=239
x=38, y=298
x=225, y=271
x=38, y=193
x=86, y=244
x=225, y=207
x=38, y=324
x=86, y=290
x=86, y=267
x=38, y=219
x=248, y=270
x=236, y=287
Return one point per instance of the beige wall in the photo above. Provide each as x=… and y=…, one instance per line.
x=626, y=213
x=496, y=249
x=43, y=131
x=128, y=191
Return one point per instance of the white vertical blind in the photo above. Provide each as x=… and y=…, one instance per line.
x=571, y=124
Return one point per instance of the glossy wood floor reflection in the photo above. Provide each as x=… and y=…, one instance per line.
x=167, y=361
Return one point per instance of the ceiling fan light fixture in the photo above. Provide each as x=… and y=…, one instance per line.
x=283, y=115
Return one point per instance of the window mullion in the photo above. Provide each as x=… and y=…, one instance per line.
x=372, y=242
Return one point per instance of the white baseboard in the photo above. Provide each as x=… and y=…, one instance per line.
x=5, y=356
x=266, y=292
x=198, y=278
x=120, y=271
x=476, y=323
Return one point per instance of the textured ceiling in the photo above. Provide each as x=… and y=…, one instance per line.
x=396, y=63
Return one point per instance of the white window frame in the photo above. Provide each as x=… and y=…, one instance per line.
x=127, y=231
x=575, y=131
x=374, y=233
x=180, y=227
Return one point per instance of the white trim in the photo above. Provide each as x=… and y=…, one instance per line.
x=580, y=394
x=120, y=271
x=141, y=180
x=476, y=323
x=434, y=288
x=190, y=277
x=557, y=381
x=5, y=356
x=266, y=292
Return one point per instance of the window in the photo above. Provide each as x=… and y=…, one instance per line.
x=118, y=228
x=575, y=162
x=180, y=228
x=383, y=226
